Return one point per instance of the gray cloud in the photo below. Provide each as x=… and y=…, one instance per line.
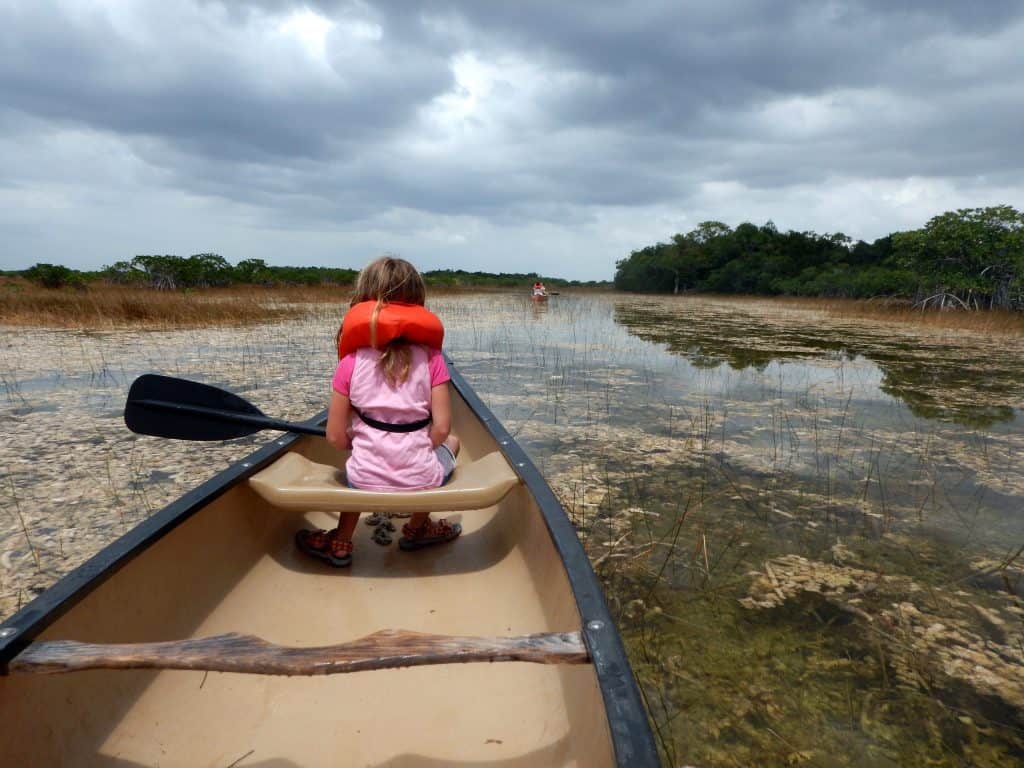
x=561, y=130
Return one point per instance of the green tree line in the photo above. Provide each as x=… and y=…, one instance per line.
x=462, y=278
x=208, y=270
x=201, y=270
x=971, y=258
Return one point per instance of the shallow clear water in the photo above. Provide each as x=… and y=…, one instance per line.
x=808, y=529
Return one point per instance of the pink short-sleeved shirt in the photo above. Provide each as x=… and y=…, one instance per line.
x=389, y=461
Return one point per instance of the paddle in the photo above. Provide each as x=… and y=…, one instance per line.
x=164, y=406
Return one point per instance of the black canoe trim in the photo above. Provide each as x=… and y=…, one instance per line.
x=631, y=732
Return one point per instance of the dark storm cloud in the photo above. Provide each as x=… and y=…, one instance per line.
x=697, y=70
x=201, y=92
x=513, y=113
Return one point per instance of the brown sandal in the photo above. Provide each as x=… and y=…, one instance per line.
x=326, y=546
x=427, y=535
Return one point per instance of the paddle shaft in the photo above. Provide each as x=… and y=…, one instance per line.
x=263, y=422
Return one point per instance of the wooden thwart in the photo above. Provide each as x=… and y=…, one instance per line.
x=387, y=649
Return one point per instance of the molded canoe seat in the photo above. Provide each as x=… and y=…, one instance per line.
x=294, y=482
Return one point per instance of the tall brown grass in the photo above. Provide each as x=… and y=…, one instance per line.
x=99, y=305
x=904, y=312
x=105, y=306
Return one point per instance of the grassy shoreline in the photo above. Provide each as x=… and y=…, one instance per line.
x=896, y=311
x=103, y=306
x=883, y=310
x=106, y=307
x=111, y=306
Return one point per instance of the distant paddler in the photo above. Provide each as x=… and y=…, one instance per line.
x=540, y=293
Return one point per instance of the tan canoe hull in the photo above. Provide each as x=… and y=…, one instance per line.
x=232, y=567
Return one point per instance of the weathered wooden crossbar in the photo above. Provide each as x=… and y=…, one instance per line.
x=387, y=649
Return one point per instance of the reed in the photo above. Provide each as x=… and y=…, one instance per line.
x=21, y=520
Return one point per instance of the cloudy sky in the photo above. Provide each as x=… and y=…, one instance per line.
x=554, y=136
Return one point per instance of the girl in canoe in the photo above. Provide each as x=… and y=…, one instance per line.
x=390, y=405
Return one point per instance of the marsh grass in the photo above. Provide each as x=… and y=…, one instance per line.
x=101, y=306
x=104, y=306
x=903, y=312
x=21, y=521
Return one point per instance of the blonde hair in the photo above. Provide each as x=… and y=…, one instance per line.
x=385, y=280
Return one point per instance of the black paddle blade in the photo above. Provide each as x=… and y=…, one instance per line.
x=163, y=406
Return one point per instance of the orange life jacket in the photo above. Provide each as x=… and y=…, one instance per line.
x=409, y=322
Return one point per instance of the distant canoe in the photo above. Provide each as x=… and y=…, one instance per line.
x=539, y=297
x=203, y=583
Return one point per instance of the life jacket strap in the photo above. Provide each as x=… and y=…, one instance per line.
x=384, y=426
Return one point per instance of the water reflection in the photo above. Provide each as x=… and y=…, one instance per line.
x=931, y=381
x=812, y=557
x=538, y=309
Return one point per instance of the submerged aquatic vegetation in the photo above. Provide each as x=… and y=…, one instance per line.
x=861, y=481
x=931, y=635
x=767, y=434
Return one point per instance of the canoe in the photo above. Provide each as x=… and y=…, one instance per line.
x=203, y=638
x=539, y=297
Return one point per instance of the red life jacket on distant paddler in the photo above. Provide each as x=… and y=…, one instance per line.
x=409, y=322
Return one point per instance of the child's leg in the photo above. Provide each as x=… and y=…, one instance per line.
x=418, y=519
x=347, y=522
x=453, y=444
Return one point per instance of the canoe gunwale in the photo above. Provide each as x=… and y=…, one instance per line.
x=631, y=735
